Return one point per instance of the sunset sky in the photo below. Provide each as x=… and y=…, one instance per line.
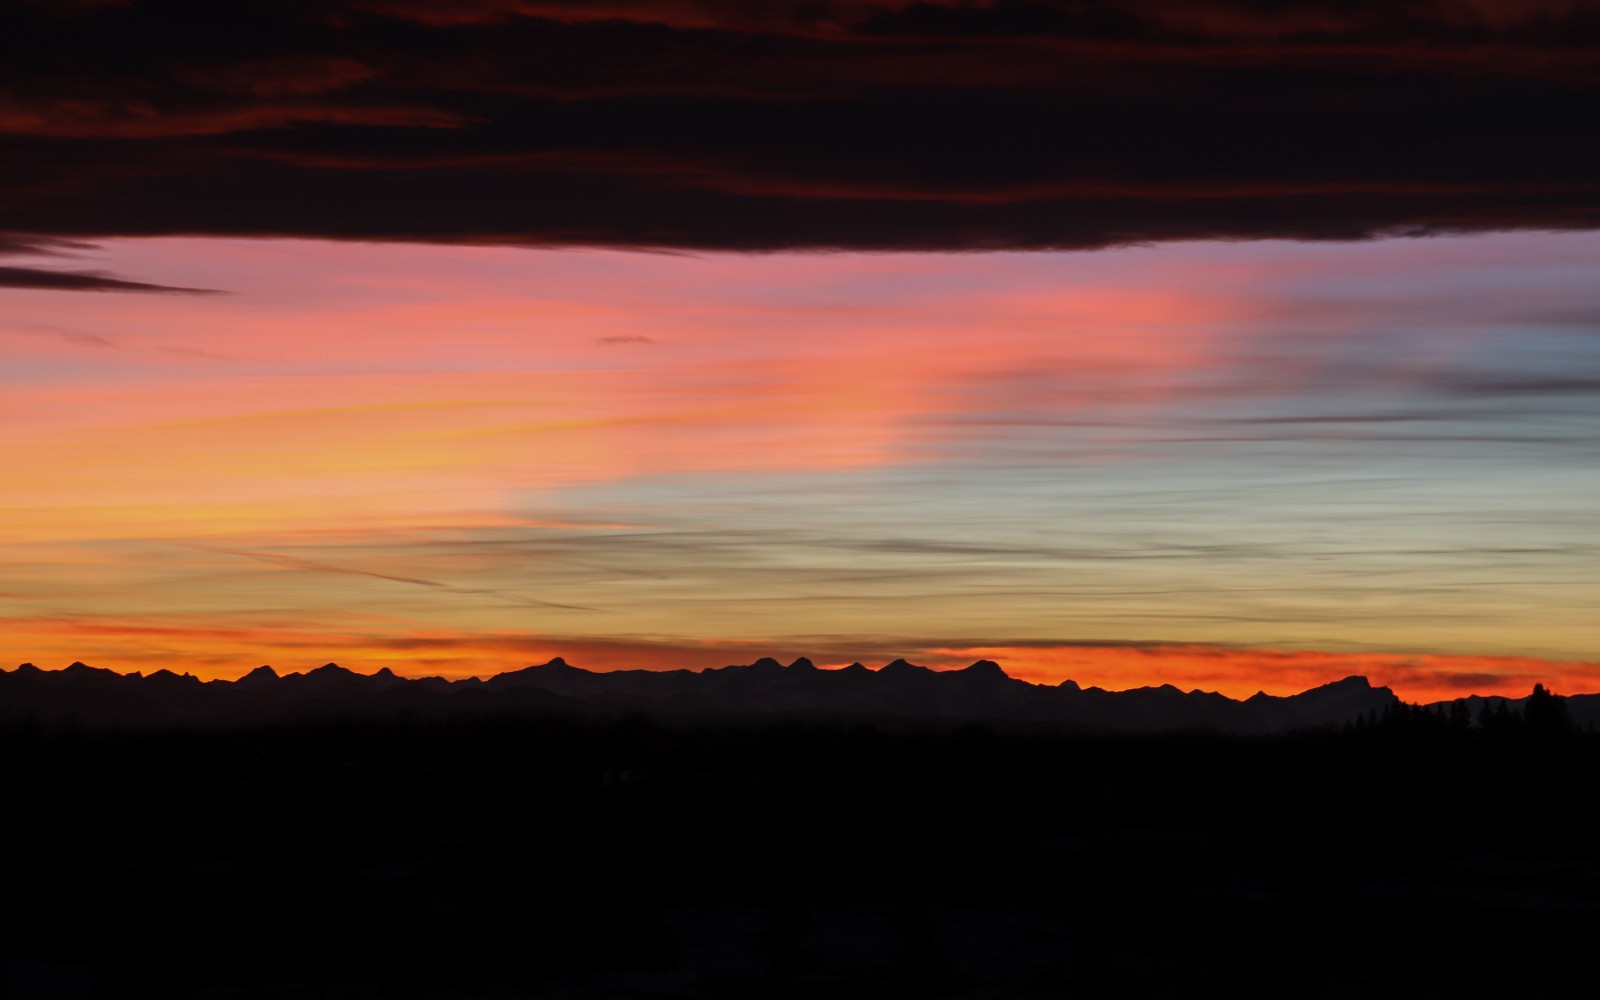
x=1124, y=343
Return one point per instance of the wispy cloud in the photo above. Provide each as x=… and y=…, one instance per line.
x=98, y=342
x=79, y=338
x=83, y=281
x=56, y=280
x=293, y=562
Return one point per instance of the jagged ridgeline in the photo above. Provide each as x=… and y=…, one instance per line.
x=85, y=696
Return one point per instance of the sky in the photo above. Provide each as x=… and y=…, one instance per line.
x=1193, y=343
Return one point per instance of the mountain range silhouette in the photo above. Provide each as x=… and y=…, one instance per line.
x=81, y=695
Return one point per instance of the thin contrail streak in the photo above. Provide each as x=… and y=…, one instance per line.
x=294, y=562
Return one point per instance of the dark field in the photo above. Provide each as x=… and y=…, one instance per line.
x=584, y=857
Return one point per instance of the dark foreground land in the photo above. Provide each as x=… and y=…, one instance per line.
x=588, y=857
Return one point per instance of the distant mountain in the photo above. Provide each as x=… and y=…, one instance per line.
x=899, y=692
x=84, y=696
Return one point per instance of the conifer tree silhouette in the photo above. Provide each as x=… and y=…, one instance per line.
x=1546, y=714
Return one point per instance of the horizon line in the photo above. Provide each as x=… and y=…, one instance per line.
x=560, y=661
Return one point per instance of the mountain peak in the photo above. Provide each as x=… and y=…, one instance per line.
x=329, y=677
x=802, y=664
x=79, y=673
x=767, y=663
x=260, y=675
x=169, y=677
x=1354, y=686
x=900, y=666
x=77, y=668
x=557, y=663
x=986, y=669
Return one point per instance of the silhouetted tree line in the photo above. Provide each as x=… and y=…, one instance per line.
x=773, y=860
x=1543, y=717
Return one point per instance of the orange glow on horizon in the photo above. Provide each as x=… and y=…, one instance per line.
x=1240, y=673
x=227, y=652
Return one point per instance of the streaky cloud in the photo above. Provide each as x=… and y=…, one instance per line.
x=293, y=562
x=45, y=279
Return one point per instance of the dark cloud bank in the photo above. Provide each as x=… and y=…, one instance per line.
x=872, y=124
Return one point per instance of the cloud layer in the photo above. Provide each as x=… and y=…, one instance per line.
x=871, y=124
